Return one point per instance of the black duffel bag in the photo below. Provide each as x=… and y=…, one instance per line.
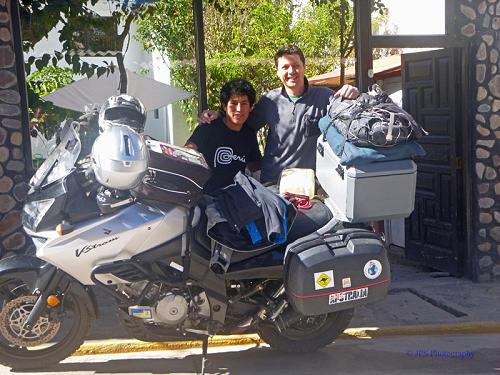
x=373, y=120
x=175, y=175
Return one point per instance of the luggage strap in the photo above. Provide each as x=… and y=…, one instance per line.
x=335, y=240
x=353, y=114
x=362, y=234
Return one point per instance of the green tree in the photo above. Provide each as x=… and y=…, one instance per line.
x=341, y=16
x=49, y=79
x=79, y=29
x=45, y=116
x=268, y=27
x=39, y=17
x=316, y=31
x=241, y=37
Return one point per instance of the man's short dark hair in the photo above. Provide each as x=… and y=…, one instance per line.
x=290, y=49
x=238, y=86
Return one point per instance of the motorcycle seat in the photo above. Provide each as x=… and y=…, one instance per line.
x=267, y=263
x=307, y=221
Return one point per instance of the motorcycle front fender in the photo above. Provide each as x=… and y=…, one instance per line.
x=36, y=274
x=24, y=267
x=85, y=294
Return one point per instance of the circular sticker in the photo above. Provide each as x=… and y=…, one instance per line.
x=373, y=269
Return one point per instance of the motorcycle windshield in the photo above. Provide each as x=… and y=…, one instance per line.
x=62, y=160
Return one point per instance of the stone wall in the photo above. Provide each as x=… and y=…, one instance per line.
x=12, y=161
x=480, y=22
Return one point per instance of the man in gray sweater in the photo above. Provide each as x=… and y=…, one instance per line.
x=292, y=113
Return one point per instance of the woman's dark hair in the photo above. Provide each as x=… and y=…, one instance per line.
x=290, y=49
x=238, y=86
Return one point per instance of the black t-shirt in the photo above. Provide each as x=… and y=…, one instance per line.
x=226, y=151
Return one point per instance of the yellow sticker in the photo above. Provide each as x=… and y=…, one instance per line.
x=141, y=312
x=323, y=280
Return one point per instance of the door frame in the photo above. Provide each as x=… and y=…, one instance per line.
x=366, y=41
x=465, y=131
x=468, y=153
x=458, y=141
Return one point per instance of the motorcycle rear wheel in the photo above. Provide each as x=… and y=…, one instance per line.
x=309, y=334
x=71, y=326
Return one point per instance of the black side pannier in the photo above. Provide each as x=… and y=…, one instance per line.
x=336, y=271
x=175, y=175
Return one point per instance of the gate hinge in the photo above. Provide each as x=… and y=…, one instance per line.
x=457, y=161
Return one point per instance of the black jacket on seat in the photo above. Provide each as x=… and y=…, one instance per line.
x=249, y=216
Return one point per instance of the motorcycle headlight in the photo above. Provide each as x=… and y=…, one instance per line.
x=33, y=212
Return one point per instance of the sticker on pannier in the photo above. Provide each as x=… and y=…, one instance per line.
x=323, y=280
x=350, y=295
x=346, y=282
x=372, y=269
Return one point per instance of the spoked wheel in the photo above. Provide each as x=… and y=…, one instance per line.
x=308, y=334
x=55, y=336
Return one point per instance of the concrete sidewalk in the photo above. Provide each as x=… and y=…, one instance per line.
x=419, y=302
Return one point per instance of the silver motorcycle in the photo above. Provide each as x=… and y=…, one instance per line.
x=153, y=256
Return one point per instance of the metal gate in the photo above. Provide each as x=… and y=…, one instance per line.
x=432, y=94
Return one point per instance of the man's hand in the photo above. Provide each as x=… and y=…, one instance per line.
x=207, y=116
x=348, y=92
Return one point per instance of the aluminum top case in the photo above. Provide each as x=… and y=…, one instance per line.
x=369, y=192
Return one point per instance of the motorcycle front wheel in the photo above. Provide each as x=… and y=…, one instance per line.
x=309, y=334
x=54, y=337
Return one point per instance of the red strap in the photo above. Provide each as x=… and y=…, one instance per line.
x=300, y=201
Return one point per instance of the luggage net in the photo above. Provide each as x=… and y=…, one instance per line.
x=373, y=120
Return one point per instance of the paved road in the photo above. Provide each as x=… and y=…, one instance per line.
x=443, y=354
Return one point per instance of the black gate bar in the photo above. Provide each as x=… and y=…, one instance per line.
x=362, y=14
x=200, y=55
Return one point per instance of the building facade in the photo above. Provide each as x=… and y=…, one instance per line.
x=477, y=24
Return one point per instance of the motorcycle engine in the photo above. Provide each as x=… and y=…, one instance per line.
x=172, y=309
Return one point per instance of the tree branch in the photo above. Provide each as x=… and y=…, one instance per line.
x=351, y=40
x=126, y=28
x=119, y=57
x=123, y=73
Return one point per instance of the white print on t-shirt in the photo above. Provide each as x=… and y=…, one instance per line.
x=225, y=155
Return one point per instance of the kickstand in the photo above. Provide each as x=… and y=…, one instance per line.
x=204, y=354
